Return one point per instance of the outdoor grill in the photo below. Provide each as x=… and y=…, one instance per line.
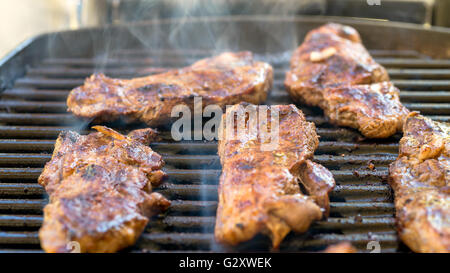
x=37, y=77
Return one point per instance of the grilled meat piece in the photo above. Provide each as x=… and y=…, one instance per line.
x=333, y=70
x=344, y=247
x=374, y=109
x=259, y=189
x=223, y=80
x=327, y=59
x=100, y=190
x=318, y=182
x=420, y=178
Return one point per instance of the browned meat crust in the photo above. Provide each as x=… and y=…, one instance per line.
x=100, y=190
x=420, y=178
x=259, y=190
x=223, y=80
x=333, y=70
x=374, y=109
x=344, y=247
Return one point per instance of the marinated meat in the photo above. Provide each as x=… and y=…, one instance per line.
x=100, y=190
x=226, y=79
x=259, y=189
x=374, y=109
x=333, y=70
x=420, y=178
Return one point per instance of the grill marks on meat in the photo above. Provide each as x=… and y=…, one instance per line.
x=333, y=70
x=259, y=190
x=420, y=178
x=100, y=190
x=226, y=79
x=374, y=109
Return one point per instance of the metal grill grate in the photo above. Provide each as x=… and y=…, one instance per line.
x=33, y=113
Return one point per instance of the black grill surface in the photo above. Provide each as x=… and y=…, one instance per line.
x=33, y=113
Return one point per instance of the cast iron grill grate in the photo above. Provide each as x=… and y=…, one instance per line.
x=33, y=113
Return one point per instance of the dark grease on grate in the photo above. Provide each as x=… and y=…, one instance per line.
x=33, y=113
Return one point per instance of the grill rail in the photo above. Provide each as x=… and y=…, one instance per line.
x=33, y=113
